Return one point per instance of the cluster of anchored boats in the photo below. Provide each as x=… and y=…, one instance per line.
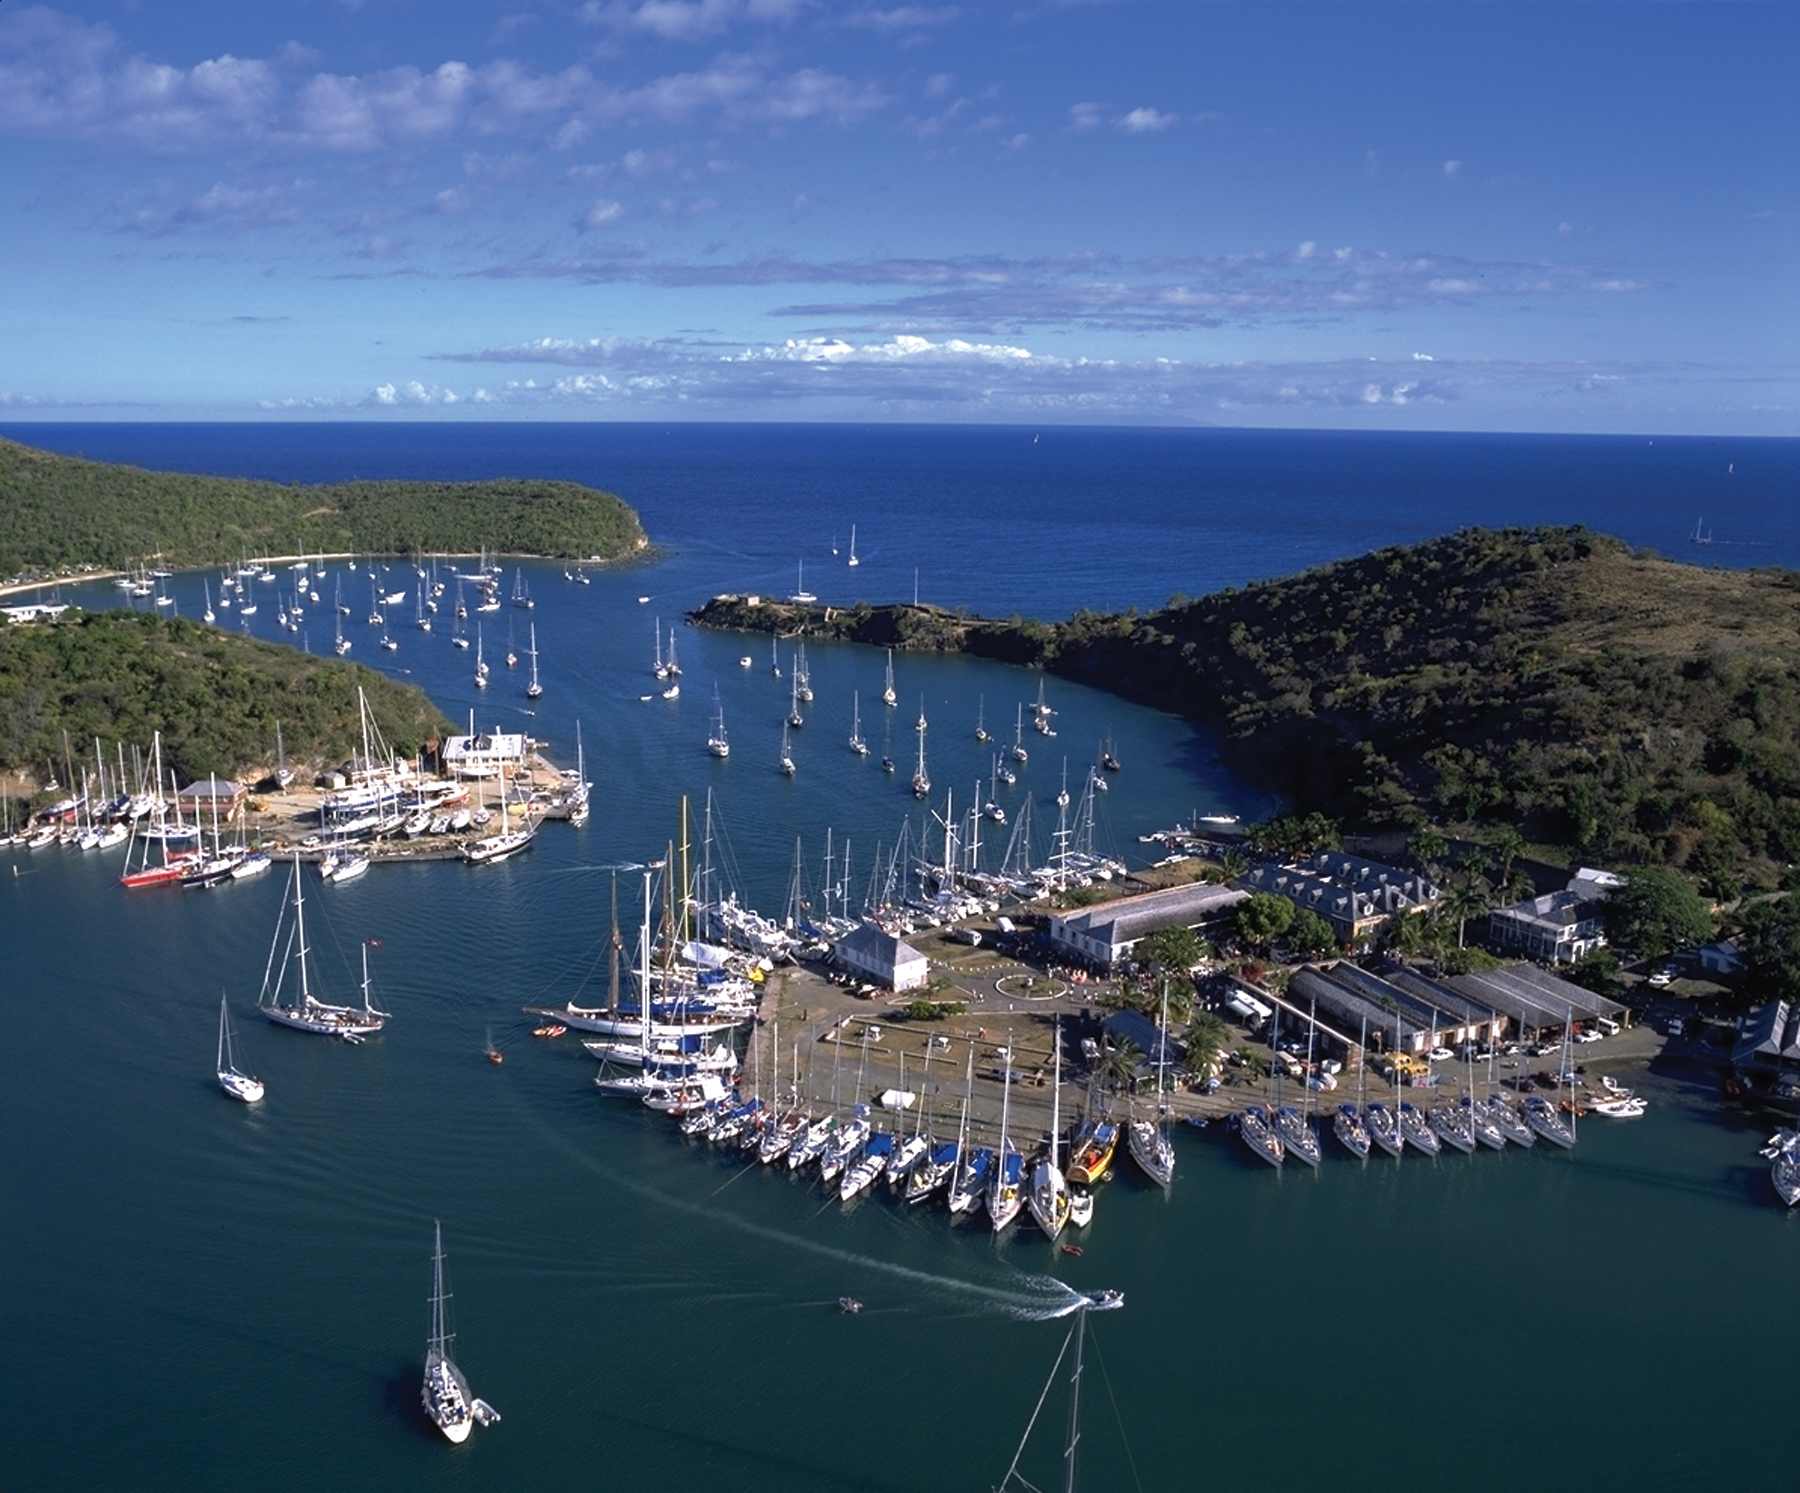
x=1277, y=1132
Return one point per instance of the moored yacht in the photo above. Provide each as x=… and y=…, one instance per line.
x=300, y=1009
x=1260, y=1136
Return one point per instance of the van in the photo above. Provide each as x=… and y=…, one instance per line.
x=1607, y=1025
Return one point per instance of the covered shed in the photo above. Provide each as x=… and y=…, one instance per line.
x=211, y=797
x=1104, y=936
x=1768, y=1044
x=1537, y=1001
x=883, y=958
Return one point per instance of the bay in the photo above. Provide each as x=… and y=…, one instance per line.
x=203, y=1294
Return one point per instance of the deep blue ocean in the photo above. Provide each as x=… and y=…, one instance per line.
x=201, y=1296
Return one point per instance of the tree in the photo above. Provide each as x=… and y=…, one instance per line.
x=1207, y=1037
x=1655, y=912
x=1310, y=934
x=1428, y=847
x=1176, y=949
x=1598, y=971
x=1462, y=903
x=1262, y=918
x=1770, y=948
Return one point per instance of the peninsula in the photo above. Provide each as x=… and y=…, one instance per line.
x=65, y=514
x=1554, y=680
x=215, y=697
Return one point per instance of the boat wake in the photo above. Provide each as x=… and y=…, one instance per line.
x=1028, y=1298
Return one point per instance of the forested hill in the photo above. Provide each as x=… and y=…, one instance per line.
x=64, y=512
x=215, y=696
x=1550, y=679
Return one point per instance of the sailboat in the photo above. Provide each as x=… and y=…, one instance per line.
x=208, y=615
x=888, y=697
x=534, y=689
x=794, y=718
x=445, y=1394
x=716, y=742
x=981, y=720
x=921, y=783
x=801, y=594
x=1018, y=746
x=921, y=724
x=481, y=668
x=785, y=762
x=857, y=744
x=1149, y=1141
x=1348, y=1124
x=1005, y=1194
x=302, y=1010
x=238, y=1085
x=1049, y=1193
x=1100, y=1301
x=853, y=561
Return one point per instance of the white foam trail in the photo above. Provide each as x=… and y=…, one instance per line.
x=1034, y=1298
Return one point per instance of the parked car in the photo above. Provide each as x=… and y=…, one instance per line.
x=1590, y=1036
x=1677, y=1027
x=1440, y=1054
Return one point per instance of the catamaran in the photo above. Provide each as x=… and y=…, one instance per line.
x=302, y=1010
x=445, y=1394
x=239, y=1085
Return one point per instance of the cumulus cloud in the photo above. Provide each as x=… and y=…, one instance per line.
x=223, y=205
x=1144, y=121
x=687, y=20
x=67, y=79
x=601, y=211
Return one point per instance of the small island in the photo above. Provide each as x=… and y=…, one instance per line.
x=65, y=516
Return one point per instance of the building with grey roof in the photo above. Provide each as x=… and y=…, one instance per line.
x=1768, y=1044
x=881, y=957
x=1355, y=896
x=1104, y=936
x=1537, y=1002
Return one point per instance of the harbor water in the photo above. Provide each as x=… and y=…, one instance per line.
x=206, y=1295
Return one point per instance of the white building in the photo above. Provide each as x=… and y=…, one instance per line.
x=1103, y=936
x=883, y=958
x=487, y=755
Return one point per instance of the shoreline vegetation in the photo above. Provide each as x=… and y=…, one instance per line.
x=216, y=697
x=1550, y=683
x=67, y=518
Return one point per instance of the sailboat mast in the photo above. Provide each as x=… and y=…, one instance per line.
x=300, y=935
x=1075, y=1400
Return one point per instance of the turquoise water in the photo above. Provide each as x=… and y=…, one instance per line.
x=205, y=1296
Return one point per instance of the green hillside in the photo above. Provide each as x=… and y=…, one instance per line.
x=1622, y=705
x=215, y=696
x=66, y=513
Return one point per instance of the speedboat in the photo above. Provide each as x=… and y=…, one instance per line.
x=1783, y=1152
x=1626, y=1108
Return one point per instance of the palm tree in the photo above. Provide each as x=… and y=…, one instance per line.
x=1207, y=1037
x=1462, y=903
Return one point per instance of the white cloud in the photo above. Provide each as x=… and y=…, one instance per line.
x=687, y=20
x=1084, y=116
x=602, y=211
x=1452, y=169
x=1144, y=121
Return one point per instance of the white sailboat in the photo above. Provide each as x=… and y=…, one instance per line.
x=445, y=1394
x=857, y=744
x=888, y=697
x=301, y=1009
x=534, y=689
x=716, y=743
x=921, y=783
x=481, y=668
x=1006, y=1195
x=785, y=762
x=238, y=1085
x=853, y=560
x=1048, y=1195
x=1148, y=1141
x=801, y=594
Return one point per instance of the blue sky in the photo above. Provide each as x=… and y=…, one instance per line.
x=1576, y=217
